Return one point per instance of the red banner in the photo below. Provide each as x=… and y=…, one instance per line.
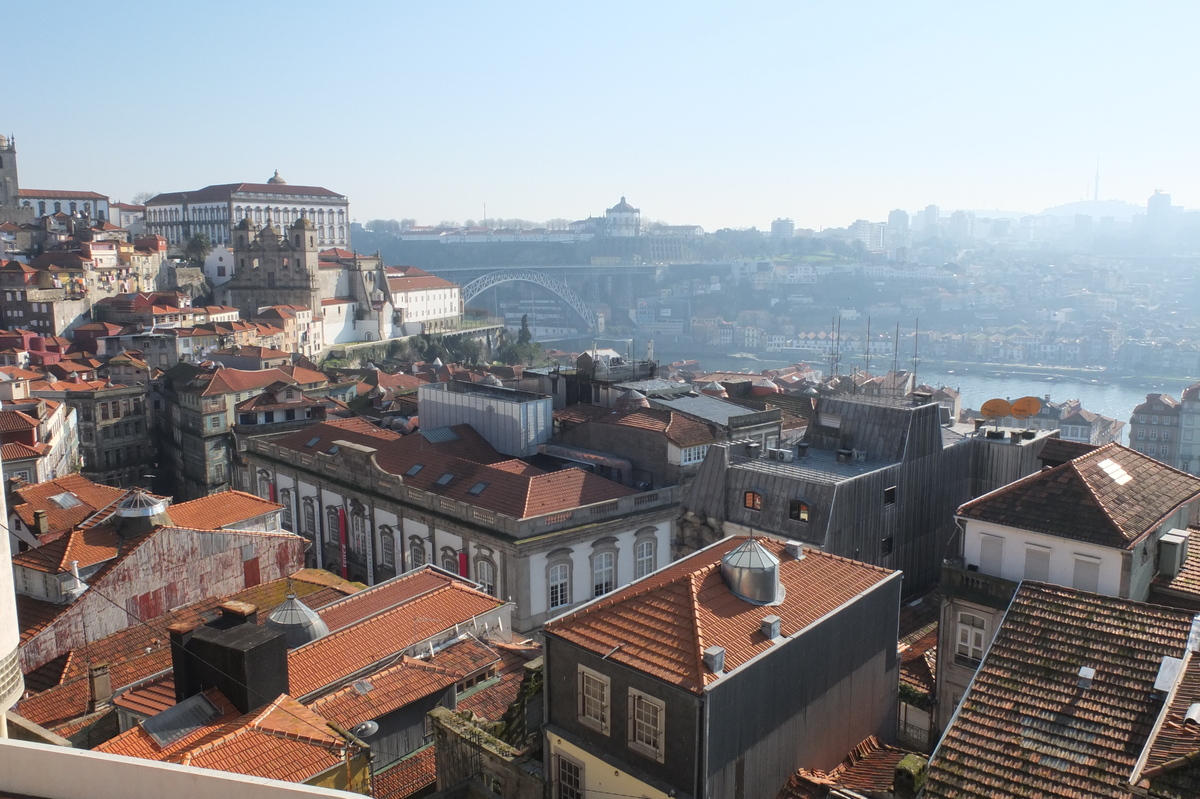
x=343, y=543
x=271, y=491
x=462, y=564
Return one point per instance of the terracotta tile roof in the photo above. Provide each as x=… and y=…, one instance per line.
x=1111, y=496
x=418, y=283
x=384, y=691
x=53, y=194
x=49, y=675
x=414, y=773
x=91, y=496
x=1027, y=728
x=152, y=697
x=216, y=511
x=231, y=381
x=329, y=660
x=21, y=452
x=1175, y=742
x=226, y=191
x=493, y=701
x=662, y=624
x=1060, y=450
x=381, y=597
x=303, y=375
x=35, y=615
x=918, y=638
x=868, y=770
x=518, y=492
x=88, y=546
x=16, y=422
x=682, y=430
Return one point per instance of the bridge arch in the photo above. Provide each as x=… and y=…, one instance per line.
x=564, y=292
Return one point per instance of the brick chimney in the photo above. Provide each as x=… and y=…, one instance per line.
x=41, y=522
x=100, y=690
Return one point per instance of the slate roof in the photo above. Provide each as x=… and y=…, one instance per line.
x=661, y=624
x=217, y=511
x=676, y=427
x=1112, y=496
x=1060, y=450
x=225, y=191
x=1027, y=728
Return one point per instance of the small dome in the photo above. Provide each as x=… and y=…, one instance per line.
x=631, y=400
x=762, y=388
x=713, y=389
x=276, y=180
x=139, y=503
x=437, y=363
x=752, y=573
x=299, y=623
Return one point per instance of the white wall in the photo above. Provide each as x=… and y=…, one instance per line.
x=1063, y=553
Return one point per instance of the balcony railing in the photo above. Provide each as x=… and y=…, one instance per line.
x=959, y=580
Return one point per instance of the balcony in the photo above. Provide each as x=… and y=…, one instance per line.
x=961, y=581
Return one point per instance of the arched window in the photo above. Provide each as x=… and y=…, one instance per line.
x=798, y=510
x=559, y=582
x=752, y=500
x=604, y=573
x=450, y=560
x=387, y=545
x=310, y=517
x=485, y=575
x=332, y=529
x=285, y=497
x=359, y=533
x=264, y=484
x=416, y=553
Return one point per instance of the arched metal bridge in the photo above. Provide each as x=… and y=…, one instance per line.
x=564, y=292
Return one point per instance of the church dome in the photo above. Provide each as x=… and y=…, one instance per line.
x=298, y=622
x=275, y=180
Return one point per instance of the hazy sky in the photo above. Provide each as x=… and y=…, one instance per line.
x=725, y=114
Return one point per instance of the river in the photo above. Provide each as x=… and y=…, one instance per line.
x=1113, y=397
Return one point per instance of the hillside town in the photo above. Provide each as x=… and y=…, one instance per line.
x=283, y=514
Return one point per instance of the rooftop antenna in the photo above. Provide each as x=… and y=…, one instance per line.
x=916, y=359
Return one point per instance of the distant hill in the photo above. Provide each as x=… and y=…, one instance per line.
x=1118, y=209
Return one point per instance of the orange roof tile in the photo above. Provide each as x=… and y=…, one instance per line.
x=152, y=697
x=381, y=597
x=868, y=770
x=91, y=496
x=414, y=773
x=328, y=660
x=217, y=511
x=88, y=546
x=384, y=691
x=662, y=624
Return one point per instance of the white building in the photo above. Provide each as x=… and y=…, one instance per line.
x=214, y=210
x=52, y=201
x=423, y=303
x=514, y=422
x=622, y=220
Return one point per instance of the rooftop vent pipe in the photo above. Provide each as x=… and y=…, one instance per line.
x=1086, y=675
x=714, y=659
x=770, y=626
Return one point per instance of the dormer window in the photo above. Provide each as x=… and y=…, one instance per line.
x=798, y=510
x=752, y=500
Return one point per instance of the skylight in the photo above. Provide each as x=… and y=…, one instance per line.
x=445, y=478
x=66, y=500
x=477, y=489
x=312, y=442
x=334, y=449
x=412, y=470
x=1115, y=471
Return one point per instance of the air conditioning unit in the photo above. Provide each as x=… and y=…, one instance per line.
x=1172, y=552
x=860, y=454
x=786, y=455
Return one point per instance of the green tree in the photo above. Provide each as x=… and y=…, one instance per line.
x=524, y=337
x=198, y=248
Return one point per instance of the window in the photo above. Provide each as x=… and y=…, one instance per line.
x=752, y=500
x=416, y=553
x=604, y=573
x=1166, y=435
x=1037, y=563
x=798, y=510
x=450, y=560
x=1141, y=435
x=333, y=531
x=358, y=543
x=310, y=517
x=569, y=782
x=646, y=716
x=560, y=585
x=485, y=575
x=991, y=554
x=1087, y=574
x=889, y=495
x=593, y=699
x=387, y=545
x=645, y=557
x=971, y=629
x=285, y=498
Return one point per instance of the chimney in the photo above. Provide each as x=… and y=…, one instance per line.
x=100, y=690
x=795, y=550
x=714, y=659
x=41, y=522
x=1086, y=675
x=802, y=449
x=243, y=660
x=770, y=626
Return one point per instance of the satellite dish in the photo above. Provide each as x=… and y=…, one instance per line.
x=995, y=409
x=1026, y=407
x=365, y=730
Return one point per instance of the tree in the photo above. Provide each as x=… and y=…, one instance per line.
x=524, y=337
x=142, y=196
x=389, y=226
x=198, y=248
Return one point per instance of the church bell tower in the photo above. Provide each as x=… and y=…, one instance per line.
x=9, y=185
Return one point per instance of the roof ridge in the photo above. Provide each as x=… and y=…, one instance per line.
x=1096, y=497
x=697, y=629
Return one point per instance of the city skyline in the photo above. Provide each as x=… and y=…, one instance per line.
x=822, y=115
